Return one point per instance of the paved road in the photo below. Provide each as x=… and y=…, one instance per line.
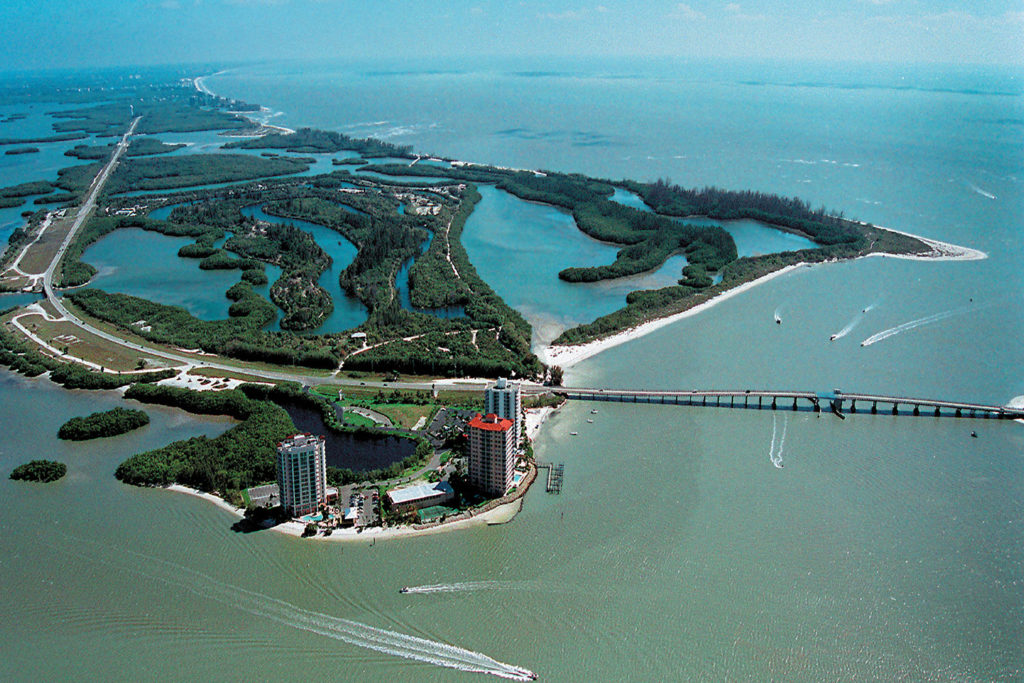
x=80, y=218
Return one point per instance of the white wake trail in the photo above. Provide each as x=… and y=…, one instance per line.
x=458, y=587
x=345, y=630
x=983, y=193
x=920, y=322
x=777, y=460
x=849, y=327
x=771, y=448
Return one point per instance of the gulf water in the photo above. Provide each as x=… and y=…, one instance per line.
x=883, y=548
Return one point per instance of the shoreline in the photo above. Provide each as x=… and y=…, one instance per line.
x=568, y=356
x=498, y=515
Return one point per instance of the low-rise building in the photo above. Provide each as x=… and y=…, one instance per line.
x=422, y=496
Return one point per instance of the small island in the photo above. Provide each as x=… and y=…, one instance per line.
x=103, y=424
x=43, y=471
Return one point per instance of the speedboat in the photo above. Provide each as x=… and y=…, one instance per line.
x=594, y=411
x=405, y=589
x=833, y=337
x=590, y=421
x=573, y=433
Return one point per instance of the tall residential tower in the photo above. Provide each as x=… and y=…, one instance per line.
x=503, y=398
x=492, y=454
x=302, y=473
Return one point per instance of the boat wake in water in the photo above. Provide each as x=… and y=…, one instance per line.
x=458, y=587
x=344, y=630
x=982, y=192
x=853, y=323
x=778, y=315
x=776, y=457
x=913, y=324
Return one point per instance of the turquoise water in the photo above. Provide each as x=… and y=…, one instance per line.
x=402, y=287
x=145, y=264
x=348, y=311
x=519, y=247
x=884, y=549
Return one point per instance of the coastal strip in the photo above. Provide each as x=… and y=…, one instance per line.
x=569, y=355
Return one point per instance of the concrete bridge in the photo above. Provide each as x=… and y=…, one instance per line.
x=835, y=401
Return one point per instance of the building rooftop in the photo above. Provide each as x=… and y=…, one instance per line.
x=298, y=440
x=414, y=493
x=491, y=423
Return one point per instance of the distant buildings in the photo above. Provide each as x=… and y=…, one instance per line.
x=302, y=473
x=504, y=399
x=419, y=497
x=492, y=452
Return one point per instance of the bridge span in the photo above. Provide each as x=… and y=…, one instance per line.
x=837, y=402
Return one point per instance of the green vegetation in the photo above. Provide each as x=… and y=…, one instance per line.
x=63, y=137
x=241, y=457
x=103, y=424
x=821, y=226
x=26, y=189
x=349, y=161
x=157, y=117
x=43, y=471
x=161, y=173
x=240, y=336
x=310, y=141
x=22, y=150
x=139, y=147
x=23, y=358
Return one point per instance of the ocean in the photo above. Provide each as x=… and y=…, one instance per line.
x=679, y=549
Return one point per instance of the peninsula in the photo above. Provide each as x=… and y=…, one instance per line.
x=275, y=361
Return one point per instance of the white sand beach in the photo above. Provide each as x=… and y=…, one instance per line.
x=567, y=356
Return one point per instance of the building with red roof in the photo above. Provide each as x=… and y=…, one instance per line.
x=492, y=453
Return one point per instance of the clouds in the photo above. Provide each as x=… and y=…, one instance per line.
x=684, y=11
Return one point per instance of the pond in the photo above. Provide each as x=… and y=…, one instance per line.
x=354, y=451
x=405, y=298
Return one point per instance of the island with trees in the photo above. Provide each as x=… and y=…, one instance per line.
x=42, y=471
x=249, y=209
x=103, y=424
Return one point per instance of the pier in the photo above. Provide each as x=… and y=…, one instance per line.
x=555, y=474
x=838, y=402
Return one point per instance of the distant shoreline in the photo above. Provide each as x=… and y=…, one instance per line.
x=567, y=356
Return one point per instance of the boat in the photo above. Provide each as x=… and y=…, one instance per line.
x=405, y=589
x=590, y=421
x=573, y=433
x=833, y=337
x=974, y=435
x=594, y=411
x=778, y=320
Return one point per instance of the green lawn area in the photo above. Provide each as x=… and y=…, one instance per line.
x=358, y=420
x=405, y=414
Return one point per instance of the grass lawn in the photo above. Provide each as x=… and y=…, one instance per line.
x=82, y=344
x=358, y=420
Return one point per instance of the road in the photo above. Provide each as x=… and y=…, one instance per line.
x=83, y=213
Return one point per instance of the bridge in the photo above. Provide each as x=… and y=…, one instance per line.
x=836, y=401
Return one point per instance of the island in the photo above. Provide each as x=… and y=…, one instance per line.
x=374, y=234
x=42, y=471
x=103, y=424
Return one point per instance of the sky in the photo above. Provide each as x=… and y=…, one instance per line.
x=39, y=34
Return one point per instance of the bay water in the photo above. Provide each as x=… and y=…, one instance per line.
x=679, y=549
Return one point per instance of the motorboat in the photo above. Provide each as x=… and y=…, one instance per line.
x=573, y=433
x=833, y=337
x=590, y=421
x=405, y=589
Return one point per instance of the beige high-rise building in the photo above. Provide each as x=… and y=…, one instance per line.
x=492, y=454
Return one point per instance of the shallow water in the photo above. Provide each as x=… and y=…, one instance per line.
x=348, y=311
x=884, y=548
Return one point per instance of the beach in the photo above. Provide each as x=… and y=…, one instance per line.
x=567, y=356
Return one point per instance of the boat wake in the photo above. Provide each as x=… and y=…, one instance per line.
x=458, y=587
x=983, y=193
x=344, y=630
x=854, y=322
x=913, y=324
x=776, y=457
x=778, y=315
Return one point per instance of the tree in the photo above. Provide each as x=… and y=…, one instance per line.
x=556, y=375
